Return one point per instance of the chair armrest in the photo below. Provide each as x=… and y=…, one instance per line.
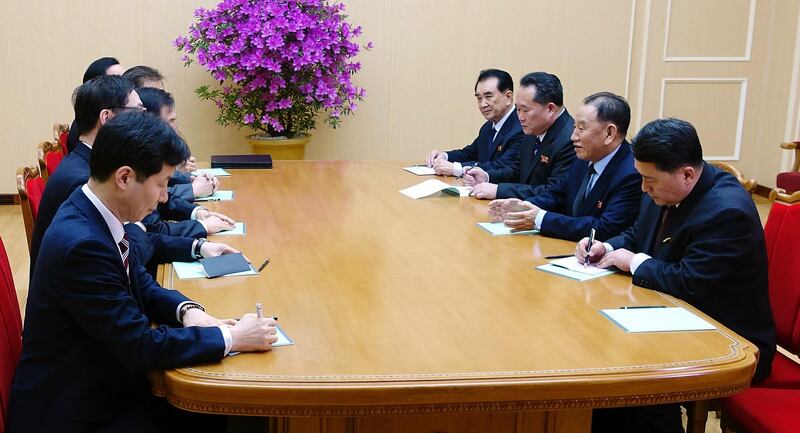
x=790, y=146
x=780, y=194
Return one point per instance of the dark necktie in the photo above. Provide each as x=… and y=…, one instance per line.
x=537, y=145
x=124, y=246
x=494, y=134
x=583, y=191
x=666, y=213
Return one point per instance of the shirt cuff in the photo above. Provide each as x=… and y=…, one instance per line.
x=141, y=226
x=226, y=335
x=537, y=222
x=194, y=245
x=608, y=246
x=195, y=210
x=637, y=260
x=458, y=170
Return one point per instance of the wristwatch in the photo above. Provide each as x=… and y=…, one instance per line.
x=197, y=248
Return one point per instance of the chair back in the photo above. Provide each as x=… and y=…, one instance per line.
x=50, y=156
x=748, y=184
x=30, y=187
x=10, y=333
x=61, y=135
x=781, y=234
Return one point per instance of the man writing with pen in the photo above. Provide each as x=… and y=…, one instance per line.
x=498, y=140
x=698, y=237
x=601, y=191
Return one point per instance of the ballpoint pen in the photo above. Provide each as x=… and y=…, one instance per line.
x=263, y=265
x=636, y=307
x=559, y=256
x=588, y=249
x=259, y=311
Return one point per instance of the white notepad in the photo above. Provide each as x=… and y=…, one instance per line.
x=500, y=229
x=420, y=170
x=432, y=186
x=570, y=268
x=212, y=171
x=217, y=196
x=238, y=230
x=283, y=340
x=657, y=319
x=192, y=270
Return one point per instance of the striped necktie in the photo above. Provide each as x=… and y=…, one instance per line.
x=124, y=246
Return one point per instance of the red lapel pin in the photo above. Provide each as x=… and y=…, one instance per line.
x=544, y=159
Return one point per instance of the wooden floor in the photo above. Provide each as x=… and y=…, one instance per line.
x=12, y=231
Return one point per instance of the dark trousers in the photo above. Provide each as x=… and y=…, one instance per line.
x=663, y=418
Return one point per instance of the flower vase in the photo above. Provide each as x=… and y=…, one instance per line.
x=279, y=147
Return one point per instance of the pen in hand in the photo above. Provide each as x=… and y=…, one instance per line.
x=588, y=249
x=259, y=311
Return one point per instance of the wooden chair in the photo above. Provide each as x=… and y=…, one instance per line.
x=748, y=184
x=60, y=136
x=49, y=155
x=10, y=332
x=30, y=187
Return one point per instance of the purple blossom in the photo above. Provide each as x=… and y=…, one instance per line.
x=277, y=59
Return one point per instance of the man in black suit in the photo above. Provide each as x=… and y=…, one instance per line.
x=545, y=154
x=89, y=341
x=498, y=139
x=602, y=188
x=698, y=237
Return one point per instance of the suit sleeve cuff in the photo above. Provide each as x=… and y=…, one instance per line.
x=637, y=260
x=537, y=222
x=226, y=335
x=196, y=209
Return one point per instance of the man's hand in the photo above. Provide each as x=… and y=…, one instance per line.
x=204, y=213
x=522, y=219
x=442, y=167
x=499, y=209
x=251, y=334
x=215, y=224
x=204, y=185
x=214, y=249
x=620, y=258
x=597, y=252
x=474, y=176
x=434, y=155
x=190, y=165
x=485, y=191
x=198, y=317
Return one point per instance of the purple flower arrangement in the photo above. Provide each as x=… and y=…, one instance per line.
x=279, y=63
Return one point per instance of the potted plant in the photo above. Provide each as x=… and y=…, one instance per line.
x=280, y=65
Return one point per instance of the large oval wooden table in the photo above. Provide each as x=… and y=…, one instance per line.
x=409, y=317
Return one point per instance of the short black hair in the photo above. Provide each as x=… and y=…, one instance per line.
x=97, y=94
x=548, y=88
x=504, y=81
x=139, y=74
x=611, y=108
x=141, y=141
x=669, y=144
x=99, y=67
x=155, y=99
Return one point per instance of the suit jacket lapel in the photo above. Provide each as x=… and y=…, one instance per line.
x=546, y=145
x=602, y=183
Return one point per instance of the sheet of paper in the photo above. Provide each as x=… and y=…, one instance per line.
x=564, y=272
x=212, y=171
x=432, y=186
x=656, y=319
x=420, y=170
x=238, y=230
x=500, y=229
x=217, y=196
x=192, y=270
x=572, y=264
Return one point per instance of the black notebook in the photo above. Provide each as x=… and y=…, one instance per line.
x=225, y=264
x=241, y=161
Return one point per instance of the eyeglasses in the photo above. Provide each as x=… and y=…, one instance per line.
x=140, y=109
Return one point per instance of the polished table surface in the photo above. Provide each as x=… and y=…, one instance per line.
x=401, y=306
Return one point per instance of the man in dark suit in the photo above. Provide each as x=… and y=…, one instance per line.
x=498, y=139
x=545, y=154
x=602, y=188
x=97, y=101
x=698, y=237
x=88, y=340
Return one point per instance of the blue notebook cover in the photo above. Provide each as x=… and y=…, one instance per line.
x=225, y=264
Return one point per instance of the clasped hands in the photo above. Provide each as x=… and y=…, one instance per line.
x=250, y=334
x=514, y=213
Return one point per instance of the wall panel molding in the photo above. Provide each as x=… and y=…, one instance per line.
x=748, y=44
x=740, y=112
